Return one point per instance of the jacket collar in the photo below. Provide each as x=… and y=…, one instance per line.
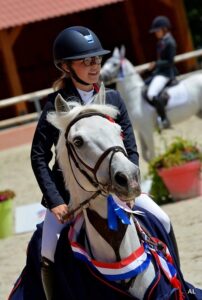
x=70, y=92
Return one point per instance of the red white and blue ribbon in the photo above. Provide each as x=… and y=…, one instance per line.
x=166, y=265
x=128, y=267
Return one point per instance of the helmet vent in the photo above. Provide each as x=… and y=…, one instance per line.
x=89, y=38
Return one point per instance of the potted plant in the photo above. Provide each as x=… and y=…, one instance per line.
x=6, y=213
x=175, y=173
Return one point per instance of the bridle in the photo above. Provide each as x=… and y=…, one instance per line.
x=115, y=79
x=78, y=162
x=72, y=154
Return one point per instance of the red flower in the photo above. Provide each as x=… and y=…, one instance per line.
x=5, y=195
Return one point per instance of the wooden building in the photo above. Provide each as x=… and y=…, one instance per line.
x=28, y=29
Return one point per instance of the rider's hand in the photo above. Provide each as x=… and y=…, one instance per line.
x=60, y=211
x=152, y=65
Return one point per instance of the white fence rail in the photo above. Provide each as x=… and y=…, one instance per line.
x=178, y=58
x=26, y=97
x=38, y=95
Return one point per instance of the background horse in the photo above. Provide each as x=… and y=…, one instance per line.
x=113, y=242
x=185, y=99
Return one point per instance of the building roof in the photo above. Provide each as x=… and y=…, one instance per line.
x=18, y=12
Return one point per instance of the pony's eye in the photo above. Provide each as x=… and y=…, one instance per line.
x=115, y=64
x=78, y=141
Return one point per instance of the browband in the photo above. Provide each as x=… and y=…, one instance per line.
x=82, y=116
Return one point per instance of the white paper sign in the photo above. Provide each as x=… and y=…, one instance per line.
x=28, y=216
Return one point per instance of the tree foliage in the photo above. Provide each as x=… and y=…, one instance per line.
x=194, y=15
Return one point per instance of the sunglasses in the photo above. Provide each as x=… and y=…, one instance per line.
x=89, y=61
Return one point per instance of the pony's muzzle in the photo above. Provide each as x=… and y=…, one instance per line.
x=127, y=186
x=105, y=76
x=121, y=179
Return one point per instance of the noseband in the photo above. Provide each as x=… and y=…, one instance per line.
x=120, y=74
x=72, y=154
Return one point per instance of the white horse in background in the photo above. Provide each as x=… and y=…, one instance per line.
x=185, y=99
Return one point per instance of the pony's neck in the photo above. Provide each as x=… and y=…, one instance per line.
x=107, y=245
x=103, y=248
x=130, y=88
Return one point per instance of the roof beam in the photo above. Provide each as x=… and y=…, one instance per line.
x=14, y=33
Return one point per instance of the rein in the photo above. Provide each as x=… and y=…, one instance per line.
x=81, y=206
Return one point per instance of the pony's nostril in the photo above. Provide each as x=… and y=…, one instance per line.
x=104, y=76
x=121, y=179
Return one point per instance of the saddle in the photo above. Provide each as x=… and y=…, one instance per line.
x=163, y=95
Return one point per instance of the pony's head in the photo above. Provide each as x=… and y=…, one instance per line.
x=118, y=67
x=90, y=149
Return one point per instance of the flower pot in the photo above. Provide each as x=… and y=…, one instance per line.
x=183, y=181
x=6, y=218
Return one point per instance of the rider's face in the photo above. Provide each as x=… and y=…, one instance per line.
x=88, y=70
x=159, y=33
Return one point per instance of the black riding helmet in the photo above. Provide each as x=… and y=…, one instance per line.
x=76, y=42
x=160, y=22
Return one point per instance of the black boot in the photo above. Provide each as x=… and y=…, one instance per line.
x=174, y=243
x=47, y=276
x=162, y=120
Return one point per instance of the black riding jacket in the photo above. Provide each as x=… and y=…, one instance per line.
x=166, y=51
x=46, y=135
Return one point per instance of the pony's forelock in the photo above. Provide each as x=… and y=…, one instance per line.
x=62, y=119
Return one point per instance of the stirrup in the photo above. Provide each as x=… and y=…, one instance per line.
x=165, y=124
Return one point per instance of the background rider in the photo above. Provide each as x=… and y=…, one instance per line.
x=163, y=70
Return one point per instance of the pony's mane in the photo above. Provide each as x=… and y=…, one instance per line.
x=62, y=119
x=129, y=69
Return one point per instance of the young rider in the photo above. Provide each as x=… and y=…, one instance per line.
x=78, y=54
x=163, y=69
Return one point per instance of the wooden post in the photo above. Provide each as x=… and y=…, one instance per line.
x=7, y=40
x=134, y=32
x=184, y=31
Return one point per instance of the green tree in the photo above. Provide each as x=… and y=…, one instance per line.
x=194, y=15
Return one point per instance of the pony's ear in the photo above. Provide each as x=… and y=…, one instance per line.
x=100, y=97
x=61, y=105
x=116, y=52
x=54, y=117
x=122, y=51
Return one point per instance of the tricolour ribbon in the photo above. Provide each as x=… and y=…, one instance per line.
x=166, y=265
x=128, y=267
